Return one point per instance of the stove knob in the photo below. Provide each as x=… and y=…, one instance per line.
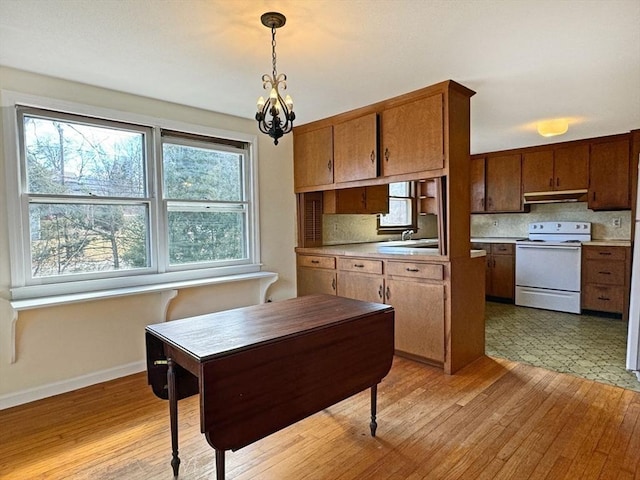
x=578, y=226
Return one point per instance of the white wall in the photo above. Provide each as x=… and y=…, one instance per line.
x=75, y=344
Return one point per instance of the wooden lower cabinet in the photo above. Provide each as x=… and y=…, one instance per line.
x=316, y=274
x=361, y=279
x=419, y=320
x=605, y=278
x=500, y=273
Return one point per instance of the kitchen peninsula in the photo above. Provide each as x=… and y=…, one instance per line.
x=343, y=164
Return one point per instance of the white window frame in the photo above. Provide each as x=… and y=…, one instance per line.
x=24, y=287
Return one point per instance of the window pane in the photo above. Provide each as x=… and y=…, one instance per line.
x=80, y=238
x=67, y=158
x=194, y=173
x=206, y=235
x=399, y=213
x=399, y=189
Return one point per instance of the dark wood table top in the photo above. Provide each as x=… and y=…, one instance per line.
x=210, y=336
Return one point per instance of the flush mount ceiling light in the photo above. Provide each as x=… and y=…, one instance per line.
x=551, y=128
x=280, y=110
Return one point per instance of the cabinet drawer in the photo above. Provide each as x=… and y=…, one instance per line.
x=316, y=261
x=502, y=248
x=416, y=270
x=482, y=246
x=605, y=253
x=360, y=265
x=603, y=298
x=604, y=272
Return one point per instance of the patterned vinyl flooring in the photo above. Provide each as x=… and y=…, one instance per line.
x=586, y=346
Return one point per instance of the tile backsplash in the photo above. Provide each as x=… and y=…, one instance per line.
x=339, y=229
x=515, y=224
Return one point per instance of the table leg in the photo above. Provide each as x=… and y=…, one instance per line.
x=173, y=415
x=219, y=464
x=374, y=401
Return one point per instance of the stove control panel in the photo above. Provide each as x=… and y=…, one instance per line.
x=560, y=227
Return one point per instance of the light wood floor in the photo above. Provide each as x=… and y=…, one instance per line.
x=494, y=420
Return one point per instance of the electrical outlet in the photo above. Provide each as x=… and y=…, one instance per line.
x=495, y=223
x=617, y=222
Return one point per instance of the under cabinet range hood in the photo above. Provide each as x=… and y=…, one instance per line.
x=556, y=196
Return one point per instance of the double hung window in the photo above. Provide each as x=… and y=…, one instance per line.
x=103, y=203
x=402, y=209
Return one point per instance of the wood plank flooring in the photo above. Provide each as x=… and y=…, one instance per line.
x=495, y=419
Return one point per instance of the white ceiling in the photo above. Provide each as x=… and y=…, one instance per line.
x=528, y=60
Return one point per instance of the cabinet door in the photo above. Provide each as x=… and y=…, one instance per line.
x=368, y=288
x=572, y=168
x=377, y=199
x=413, y=137
x=476, y=181
x=357, y=200
x=502, y=276
x=419, y=317
x=503, y=179
x=313, y=158
x=316, y=280
x=609, y=176
x=537, y=171
x=310, y=219
x=355, y=149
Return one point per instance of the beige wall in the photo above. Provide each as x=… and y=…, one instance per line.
x=59, y=345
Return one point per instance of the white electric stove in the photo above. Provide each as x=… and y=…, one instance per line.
x=548, y=265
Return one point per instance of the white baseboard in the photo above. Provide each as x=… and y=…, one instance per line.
x=25, y=396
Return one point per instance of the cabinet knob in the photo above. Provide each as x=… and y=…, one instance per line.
x=604, y=273
x=413, y=269
x=315, y=261
x=388, y=294
x=358, y=265
x=333, y=284
x=386, y=154
x=373, y=156
x=329, y=165
x=558, y=182
x=380, y=291
x=551, y=182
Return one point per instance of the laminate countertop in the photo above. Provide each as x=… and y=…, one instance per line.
x=418, y=249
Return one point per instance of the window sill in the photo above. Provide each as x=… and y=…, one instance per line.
x=169, y=291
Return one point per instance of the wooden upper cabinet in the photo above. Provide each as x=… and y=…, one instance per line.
x=313, y=153
x=571, y=167
x=503, y=176
x=477, y=184
x=355, y=149
x=609, y=167
x=562, y=168
x=413, y=136
x=537, y=171
x=357, y=200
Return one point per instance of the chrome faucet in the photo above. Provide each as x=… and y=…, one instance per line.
x=406, y=235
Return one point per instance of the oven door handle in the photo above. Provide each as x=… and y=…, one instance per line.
x=541, y=247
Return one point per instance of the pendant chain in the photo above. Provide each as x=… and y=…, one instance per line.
x=273, y=50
